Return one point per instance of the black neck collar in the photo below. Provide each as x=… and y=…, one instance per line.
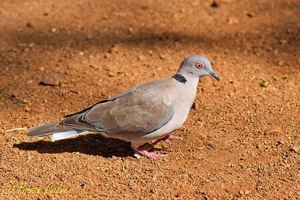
x=180, y=78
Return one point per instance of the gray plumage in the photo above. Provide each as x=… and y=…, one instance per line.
x=141, y=114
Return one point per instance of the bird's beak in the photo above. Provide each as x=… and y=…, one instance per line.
x=215, y=75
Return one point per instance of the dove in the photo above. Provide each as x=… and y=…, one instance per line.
x=140, y=115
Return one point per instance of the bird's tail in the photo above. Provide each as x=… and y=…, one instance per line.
x=57, y=131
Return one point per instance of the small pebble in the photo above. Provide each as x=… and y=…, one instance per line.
x=214, y=4
x=114, y=49
x=280, y=63
x=296, y=149
x=250, y=14
x=53, y=30
x=161, y=56
x=130, y=30
x=107, y=55
x=141, y=57
x=195, y=106
x=247, y=192
x=233, y=20
x=29, y=25
x=50, y=80
x=27, y=109
x=273, y=130
x=283, y=41
x=150, y=52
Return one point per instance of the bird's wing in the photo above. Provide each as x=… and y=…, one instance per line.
x=142, y=109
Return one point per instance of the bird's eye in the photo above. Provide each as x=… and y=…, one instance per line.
x=199, y=65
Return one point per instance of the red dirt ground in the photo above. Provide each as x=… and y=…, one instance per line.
x=241, y=140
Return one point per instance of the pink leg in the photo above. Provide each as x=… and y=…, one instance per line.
x=167, y=139
x=152, y=155
x=173, y=137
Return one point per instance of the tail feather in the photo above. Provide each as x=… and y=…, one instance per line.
x=66, y=134
x=57, y=132
x=43, y=130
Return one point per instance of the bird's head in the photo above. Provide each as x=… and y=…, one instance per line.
x=198, y=66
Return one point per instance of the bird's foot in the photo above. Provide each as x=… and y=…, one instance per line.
x=143, y=150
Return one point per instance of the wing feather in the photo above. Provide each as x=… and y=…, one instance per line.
x=139, y=110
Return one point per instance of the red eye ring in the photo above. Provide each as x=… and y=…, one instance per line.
x=199, y=65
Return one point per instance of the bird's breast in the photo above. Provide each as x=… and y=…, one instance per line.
x=182, y=100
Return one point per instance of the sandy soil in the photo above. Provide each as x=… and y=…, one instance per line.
x=241, y=140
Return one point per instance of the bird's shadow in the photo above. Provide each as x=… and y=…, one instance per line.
x=91, y=144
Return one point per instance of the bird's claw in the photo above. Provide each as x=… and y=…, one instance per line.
x=146, y=148
x=142, y=151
